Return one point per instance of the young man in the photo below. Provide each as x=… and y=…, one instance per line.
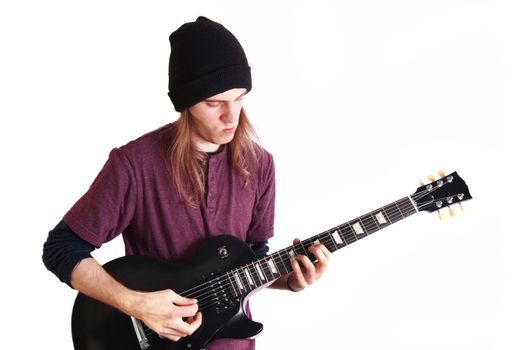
x=173, y=188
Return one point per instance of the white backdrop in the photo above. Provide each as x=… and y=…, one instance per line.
x=355, y=99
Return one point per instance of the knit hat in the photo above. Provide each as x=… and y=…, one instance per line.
x=205, y=60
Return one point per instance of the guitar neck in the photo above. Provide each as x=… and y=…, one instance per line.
x=262, y=271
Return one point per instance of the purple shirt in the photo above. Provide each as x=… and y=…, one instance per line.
x=134, y=195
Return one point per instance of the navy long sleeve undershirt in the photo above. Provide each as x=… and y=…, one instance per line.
x=63, y=250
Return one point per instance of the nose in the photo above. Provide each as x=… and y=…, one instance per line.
x=231, y=113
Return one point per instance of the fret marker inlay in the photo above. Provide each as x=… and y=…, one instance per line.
x=337, y=238
x=358, y=228
x=272, y=266
x=238, y=281
x=380, y=218
x=249, y=278
x=260, y=272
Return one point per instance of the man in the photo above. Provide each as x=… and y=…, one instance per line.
x=173, y=188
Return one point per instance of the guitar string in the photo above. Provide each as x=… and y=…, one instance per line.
x=326, y=238
x=205, y=300
x=193, y=292
x=202, y=291
x=205, y=303
x=207, y=292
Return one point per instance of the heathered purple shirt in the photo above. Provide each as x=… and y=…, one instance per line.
x=134, y=195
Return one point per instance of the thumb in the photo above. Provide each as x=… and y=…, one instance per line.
x=182, y=301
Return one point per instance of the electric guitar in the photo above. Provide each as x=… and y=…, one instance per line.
x=226, y=271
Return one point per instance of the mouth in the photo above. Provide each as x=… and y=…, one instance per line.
x=229, y=130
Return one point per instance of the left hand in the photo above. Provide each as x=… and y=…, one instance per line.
x=304, y=271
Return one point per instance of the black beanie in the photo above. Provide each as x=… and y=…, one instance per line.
x=205, y=60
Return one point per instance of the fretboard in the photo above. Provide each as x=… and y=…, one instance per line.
x=262, y=271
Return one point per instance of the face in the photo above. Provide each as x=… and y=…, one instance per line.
x=216, y=119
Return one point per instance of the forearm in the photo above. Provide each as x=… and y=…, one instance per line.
x=91, y=279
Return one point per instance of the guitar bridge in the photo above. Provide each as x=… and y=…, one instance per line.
x=140, y=333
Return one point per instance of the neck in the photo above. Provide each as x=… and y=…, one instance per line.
x=265, y=270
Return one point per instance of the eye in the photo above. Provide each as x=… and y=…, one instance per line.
x=212, y=104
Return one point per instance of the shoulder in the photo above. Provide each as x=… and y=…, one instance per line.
x=150, y=146
x=265, y=163
x=265, y=157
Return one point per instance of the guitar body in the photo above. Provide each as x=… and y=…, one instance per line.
x=97, y=326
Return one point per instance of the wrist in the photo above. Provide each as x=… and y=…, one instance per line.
x=130, y=303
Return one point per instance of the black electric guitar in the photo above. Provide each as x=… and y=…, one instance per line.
x=225, y=272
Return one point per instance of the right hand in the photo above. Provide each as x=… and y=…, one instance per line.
x=169, y=314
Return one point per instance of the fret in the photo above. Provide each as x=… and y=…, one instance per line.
x=394, y=213
x=381, y=218
x=260, y=272
x=369, y=224
x=280, y=263
x=337, y=238
x=302, y=247
x=328, y=240
x=400, y=211
x=272, y=267
x=238, y=281
x=267, y=269
x=231, y=282
x=348, y=234
x=244, y=279
x=248, y=276
x=357, y=229
x=386, y=215
x=407, y=206
x=255, y=274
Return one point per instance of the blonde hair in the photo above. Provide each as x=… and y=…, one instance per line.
x=188, y=165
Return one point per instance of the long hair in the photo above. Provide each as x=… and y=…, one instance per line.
x=188, y=165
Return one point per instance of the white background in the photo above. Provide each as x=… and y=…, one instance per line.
x=355, y=99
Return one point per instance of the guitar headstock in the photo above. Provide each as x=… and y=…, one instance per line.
x=444, y=192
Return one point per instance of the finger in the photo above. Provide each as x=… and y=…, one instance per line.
x=322, y=260
x=325, y=251
x=196, y=322
x=184, y=328
x=296, y=241
x=182, y=301
x=171, y=333
x=186, y=311
x=298, y=274
x=309, y=269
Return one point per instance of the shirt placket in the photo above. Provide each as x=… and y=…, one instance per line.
x=212, y=184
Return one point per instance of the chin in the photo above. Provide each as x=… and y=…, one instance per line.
x=226, y=140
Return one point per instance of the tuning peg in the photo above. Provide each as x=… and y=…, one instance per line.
x=421, y=182
x=441, y=173
x=451, y=212
x=431, y=177
x=461, y=207
x=441, y=215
